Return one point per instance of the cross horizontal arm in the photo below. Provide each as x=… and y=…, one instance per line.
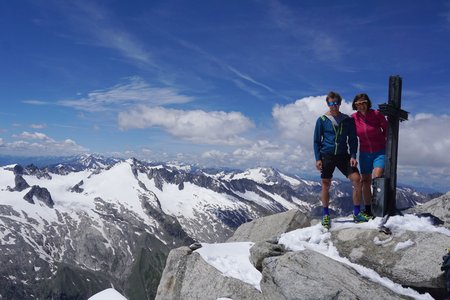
x=391, y=111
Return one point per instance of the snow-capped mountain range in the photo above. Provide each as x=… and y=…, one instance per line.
x=76, y=227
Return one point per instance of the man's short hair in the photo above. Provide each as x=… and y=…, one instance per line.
x=335, y=96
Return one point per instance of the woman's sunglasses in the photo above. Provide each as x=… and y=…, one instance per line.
x=361, y=102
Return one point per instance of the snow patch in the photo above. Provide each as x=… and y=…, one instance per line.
x=403, y=245
x=232, y=259
x=108, y=294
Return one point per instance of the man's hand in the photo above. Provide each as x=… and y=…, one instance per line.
x=353, y=162
x=319, y=165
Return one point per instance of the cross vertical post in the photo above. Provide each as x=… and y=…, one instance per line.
x=384, y=188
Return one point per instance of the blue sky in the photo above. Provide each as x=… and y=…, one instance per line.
x=219, y=83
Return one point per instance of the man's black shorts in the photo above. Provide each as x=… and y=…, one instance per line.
x=342, y=162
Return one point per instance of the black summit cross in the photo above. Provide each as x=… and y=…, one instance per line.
x=384, y=188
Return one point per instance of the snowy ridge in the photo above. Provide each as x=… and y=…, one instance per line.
x=268, y=176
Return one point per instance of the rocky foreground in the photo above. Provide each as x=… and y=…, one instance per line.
x=409, y=260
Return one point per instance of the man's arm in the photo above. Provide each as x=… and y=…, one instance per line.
x=317, y=139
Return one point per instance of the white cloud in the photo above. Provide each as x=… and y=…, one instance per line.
x=289, y=149
x=296, y=121
x=262, y=150
x=33, y=136
x=424, y=141
x=42, y=146
x=38, y=126
x=423, y=148
x=268, y=153
x=134, y=90
x=261, y=153
x=197, y=126
x=214, y=155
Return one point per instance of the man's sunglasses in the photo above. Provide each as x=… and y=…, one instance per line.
x=333, y=103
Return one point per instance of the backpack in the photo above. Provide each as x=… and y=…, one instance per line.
x=446, y=268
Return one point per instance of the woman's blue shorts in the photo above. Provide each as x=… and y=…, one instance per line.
x=368, y=161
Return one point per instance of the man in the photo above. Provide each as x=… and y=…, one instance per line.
x=334, y=136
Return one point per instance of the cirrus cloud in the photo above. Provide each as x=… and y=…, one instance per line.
x=38, y=126
x=133, y=90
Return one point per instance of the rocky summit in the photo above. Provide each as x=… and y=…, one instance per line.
x=303, y=261
x=71, y=229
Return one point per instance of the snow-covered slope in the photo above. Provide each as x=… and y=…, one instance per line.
x=103, y=216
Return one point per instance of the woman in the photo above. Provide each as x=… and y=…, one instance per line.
x=371, y=128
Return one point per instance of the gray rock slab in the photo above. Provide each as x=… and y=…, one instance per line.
x=270, y=227
x=409, y=258
x=311, y=275
x=188, y=276
x=172, y=278
x=439, y=207
x=261, y=250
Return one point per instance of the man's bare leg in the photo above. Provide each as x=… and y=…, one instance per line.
x=325, y=196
